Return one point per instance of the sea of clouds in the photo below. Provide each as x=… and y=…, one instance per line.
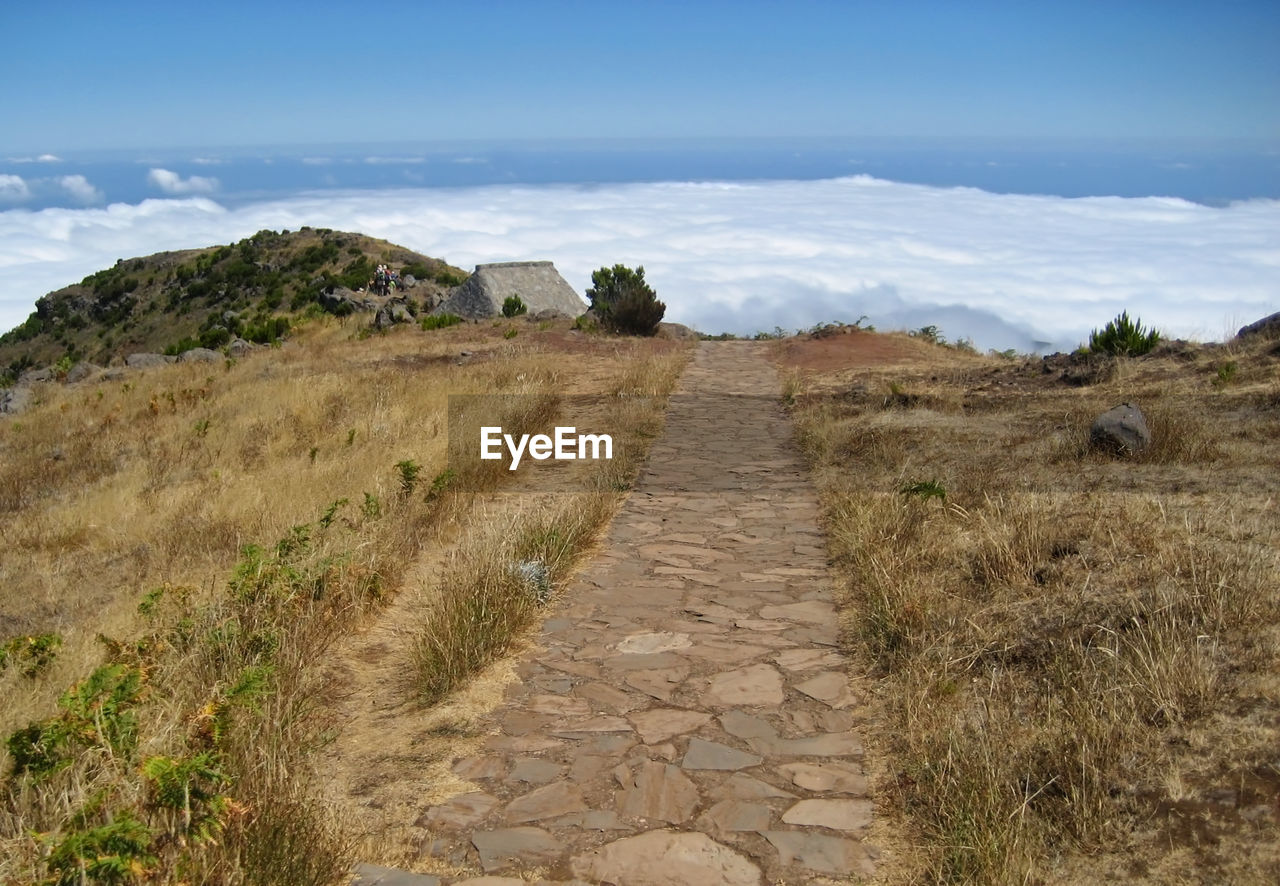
x=1003, y=270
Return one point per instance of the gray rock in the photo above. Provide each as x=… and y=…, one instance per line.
x=31, y=376
x=704, y=754
x=145, y=361
x=199, y=355
x=229, y=317
x=509, y=847
x=461, y=811
x=1121, y=429
x=14, y=400
x=1267, y=327
x=538, y=284
x=818, y=852
x=390, y=314
x=81, y=371
x=239, y=347
x=551, y=801
x=408, y=281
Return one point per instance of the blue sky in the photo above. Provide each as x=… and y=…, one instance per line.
x=84, y=76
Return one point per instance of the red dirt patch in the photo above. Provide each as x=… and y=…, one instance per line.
x=834, y=351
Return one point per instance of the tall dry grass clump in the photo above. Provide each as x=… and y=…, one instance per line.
x=1075, y=656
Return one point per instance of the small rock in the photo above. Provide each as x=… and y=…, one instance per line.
x=551, y=801
x=818, y=852
x=840, y=815
x=535, y=771
x=461, y=811
x=826, y=778
x=738, y=815
x=659, y=791
x=713, y=755
x=756, y=685
x=507, y=847
x=1121, y=429
x=663, y=858
x=239, y=347
x=660, y=724
x=831, y=687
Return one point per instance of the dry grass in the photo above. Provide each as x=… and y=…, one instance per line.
x=160, y=479
x=1075, y=655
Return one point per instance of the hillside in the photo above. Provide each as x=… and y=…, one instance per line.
x=174, y=301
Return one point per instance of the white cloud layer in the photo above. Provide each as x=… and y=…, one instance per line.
x=172, y=183
x=1003, y=270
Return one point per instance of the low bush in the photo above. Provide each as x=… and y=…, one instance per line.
x=1123, y=337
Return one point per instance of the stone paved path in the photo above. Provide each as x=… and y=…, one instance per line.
x=685, y=715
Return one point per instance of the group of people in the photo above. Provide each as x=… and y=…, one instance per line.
x=385, y=280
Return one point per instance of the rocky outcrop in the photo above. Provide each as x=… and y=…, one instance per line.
x=200, y=355
x=390, y=314
x=537, y=283
x=14, y=400
x=145, y=361
x=81, y=371
x=1122, y=430
x=1267, y=327
x=341, y=301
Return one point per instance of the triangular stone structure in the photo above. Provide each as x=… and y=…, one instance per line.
x=538, y=284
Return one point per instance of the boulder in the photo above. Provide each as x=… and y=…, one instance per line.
x=144, y=361
x=239, y=347
x=341, y=300
x=390, y=314
x=1121, y=429
x=81, y=371
x=14, y=400
x=1267, y=327
x=199, y=355
x=34, y=375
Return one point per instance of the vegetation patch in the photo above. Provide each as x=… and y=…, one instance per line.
x=1071, y=657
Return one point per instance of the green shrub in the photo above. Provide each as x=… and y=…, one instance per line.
x=514, y=306
x=31, y=653
x=1123, y=337
x=624, y=302
x=408, y=474
x=439, y=321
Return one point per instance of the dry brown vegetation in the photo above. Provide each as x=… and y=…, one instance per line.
x=203, y=540
x=1074, y=654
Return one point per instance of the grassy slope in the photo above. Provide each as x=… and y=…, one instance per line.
x=154, y=303
x=1075, y=656
x=110, y=491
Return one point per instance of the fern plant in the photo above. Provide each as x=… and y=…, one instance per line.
x=1123, y=337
